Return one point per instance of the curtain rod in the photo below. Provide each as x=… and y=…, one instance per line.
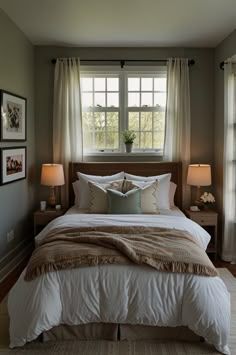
x=222, y=64
x=122, y=61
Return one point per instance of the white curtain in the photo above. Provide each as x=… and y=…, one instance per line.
x=178, y=118
x=67, y=117
x=229, y=174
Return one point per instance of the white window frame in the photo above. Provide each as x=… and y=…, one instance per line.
x=160, y=72
x=99, y=71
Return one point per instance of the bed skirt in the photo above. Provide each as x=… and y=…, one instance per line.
x=115, y=332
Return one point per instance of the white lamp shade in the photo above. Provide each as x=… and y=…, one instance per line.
x=199, y=175
x=52, y=175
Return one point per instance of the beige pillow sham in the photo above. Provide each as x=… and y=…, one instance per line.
x=148, y=197
x=98, y=202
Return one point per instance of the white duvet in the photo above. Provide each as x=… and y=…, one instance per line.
x=121, y=293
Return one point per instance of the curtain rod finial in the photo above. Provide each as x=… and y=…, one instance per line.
x=191, y=62
x=222, y=65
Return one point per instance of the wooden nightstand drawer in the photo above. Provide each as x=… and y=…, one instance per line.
x=208, y=220
x=41, y=219
x=204, y=220
x=45, y=217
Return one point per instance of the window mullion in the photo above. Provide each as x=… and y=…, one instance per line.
x=153, y=114
x=94, y=139
x=140, y=90
x=139, y=128
x=94, y=133
x=105, y=133
x=152, y=130
x=105, y=113
x=123, y=121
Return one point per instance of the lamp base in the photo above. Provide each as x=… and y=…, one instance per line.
x=52, y=197
x=197, y=201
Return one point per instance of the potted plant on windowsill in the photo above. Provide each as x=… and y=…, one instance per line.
x=128, y=139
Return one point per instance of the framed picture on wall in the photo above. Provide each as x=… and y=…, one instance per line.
x=13, y=164
x=13, y=117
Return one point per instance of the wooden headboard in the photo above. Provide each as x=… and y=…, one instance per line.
x=136, y=168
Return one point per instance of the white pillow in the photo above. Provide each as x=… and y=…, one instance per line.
x=82, y=200
x=172, y=194
x=162, y=192
x=76, y=192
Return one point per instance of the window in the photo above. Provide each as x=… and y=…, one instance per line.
x=146, y=111
x=116, y=100
x=101, y=113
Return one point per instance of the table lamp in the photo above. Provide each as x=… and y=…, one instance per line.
x=199, y=175
x=52, y=175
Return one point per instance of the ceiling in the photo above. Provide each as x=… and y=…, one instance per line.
x=140, y=23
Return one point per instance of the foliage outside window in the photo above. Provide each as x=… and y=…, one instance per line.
x=114, y=101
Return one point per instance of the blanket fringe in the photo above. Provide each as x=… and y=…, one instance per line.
x=92, y=260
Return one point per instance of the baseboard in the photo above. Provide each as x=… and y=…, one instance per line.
x=19, y=253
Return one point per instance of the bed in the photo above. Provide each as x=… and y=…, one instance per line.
x=149, y=303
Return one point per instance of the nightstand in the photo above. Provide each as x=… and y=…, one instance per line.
x=208, y=220
x=41, y=219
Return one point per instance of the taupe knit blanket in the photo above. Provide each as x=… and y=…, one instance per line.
x=164, y=249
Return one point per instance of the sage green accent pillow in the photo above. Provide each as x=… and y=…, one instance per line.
x=128, y=203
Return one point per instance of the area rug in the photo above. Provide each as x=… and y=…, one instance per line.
x=132, y=347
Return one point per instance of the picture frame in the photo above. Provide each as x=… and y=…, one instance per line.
x=13, y=117
x=13, y=164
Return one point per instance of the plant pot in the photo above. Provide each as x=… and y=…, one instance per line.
x=128, y=147
x=207, y=207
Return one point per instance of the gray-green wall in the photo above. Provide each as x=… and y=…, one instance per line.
x=226, y=49
x=202, y=95
x=18, y=198
x=19, y=73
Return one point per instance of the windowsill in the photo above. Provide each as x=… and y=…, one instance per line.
x=113, y=154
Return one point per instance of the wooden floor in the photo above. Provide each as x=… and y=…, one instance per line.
x=230, y=267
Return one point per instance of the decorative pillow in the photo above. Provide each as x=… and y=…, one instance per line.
x=98, y=195
x=172, y=194
x=82, y=186
x=127, y=185
x=148, y=196
x=162, y=192
x=128, y=203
